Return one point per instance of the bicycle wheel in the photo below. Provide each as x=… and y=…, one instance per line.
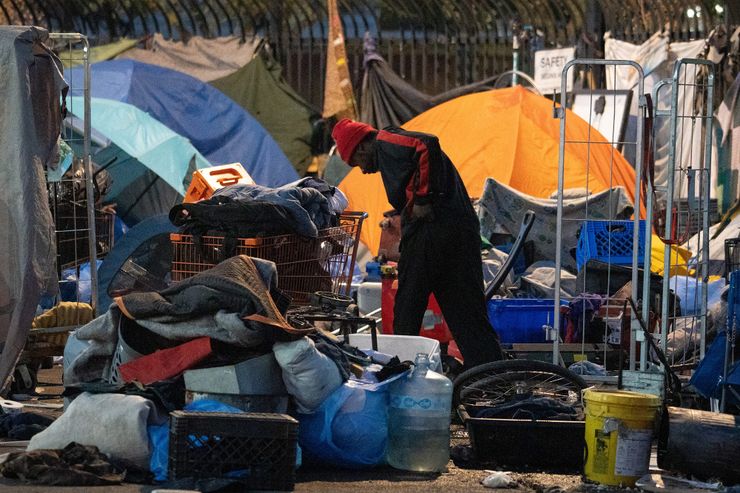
x=498, y=382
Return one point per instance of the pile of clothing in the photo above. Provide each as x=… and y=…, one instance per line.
x=128, y=369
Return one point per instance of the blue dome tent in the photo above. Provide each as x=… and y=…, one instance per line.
x=218, y=127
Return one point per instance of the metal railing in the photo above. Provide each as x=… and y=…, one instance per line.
x=434, y=44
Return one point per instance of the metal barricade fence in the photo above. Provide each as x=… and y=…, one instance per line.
x=72, y=191
x=682, y=203
x=619, y=256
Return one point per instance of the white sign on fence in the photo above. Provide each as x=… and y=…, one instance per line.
x=548, y=68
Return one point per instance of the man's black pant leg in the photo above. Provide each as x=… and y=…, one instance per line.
x=458, y=287
x=414, y=284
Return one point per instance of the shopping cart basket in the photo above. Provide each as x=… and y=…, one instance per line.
x=304, y=265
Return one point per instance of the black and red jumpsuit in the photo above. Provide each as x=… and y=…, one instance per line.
x=440, y=242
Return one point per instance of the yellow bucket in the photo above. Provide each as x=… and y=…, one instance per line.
x=619, y=435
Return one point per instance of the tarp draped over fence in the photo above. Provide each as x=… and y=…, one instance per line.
x=202, y=58
x=30, y=123
x=657, y=57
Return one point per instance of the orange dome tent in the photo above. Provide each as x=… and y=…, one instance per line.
x=507, y=134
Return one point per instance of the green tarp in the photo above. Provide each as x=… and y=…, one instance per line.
x=259, y=88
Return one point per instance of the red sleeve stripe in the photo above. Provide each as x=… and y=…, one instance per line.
x=421, y=148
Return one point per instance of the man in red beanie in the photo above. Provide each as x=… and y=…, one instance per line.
x=440, y=233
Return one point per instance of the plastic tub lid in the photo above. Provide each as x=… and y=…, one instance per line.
x=622, y=398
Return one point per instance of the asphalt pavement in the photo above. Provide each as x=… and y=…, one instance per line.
x=377, y=480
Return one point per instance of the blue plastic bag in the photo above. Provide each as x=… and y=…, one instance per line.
x=159, y=436
x=350, y=428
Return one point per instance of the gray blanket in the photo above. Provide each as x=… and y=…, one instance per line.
x=114, y=423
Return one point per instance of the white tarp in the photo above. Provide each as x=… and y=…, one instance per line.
x=657, y=57
x=717, y=245
x=728, y=120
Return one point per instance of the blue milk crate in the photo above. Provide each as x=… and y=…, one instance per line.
x=520, y=320
x=609, y=241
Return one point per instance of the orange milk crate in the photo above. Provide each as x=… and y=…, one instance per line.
x=207, y=180
x=304, y=265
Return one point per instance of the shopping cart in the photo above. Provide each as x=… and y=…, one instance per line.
x=304, y=265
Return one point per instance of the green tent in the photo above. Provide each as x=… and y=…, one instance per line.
x=259, y=88
x=99, y=53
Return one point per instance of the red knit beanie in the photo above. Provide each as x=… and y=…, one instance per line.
x=348, y=134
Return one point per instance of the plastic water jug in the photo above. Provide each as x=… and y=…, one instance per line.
x=419, y=420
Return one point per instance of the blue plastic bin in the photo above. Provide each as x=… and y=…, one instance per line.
x=520, y=319
x=609, y=241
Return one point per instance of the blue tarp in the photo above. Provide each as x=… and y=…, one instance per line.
x=145, y=139
x=148, y=162
x=218, y=127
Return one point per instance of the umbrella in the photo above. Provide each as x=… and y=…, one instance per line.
x=507, y=134
x=148, y=162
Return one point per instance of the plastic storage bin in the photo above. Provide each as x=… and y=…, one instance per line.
x=609, y=241
x=520, y=319
x=258, y=448
x=208, y=180
x=369, y=296
x=405, y=347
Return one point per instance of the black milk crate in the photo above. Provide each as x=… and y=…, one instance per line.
x=212, y=445
x=546, y=445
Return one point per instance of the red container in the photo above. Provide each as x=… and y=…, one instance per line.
x=434, y=325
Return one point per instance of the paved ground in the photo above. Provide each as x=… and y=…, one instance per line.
x=383, y=480
x=380, y=480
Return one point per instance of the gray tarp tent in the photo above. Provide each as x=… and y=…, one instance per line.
x=502, y=209
x=30, y=124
